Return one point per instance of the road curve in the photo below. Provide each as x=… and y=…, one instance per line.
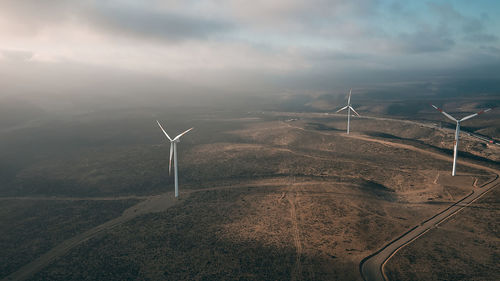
x=372, y=267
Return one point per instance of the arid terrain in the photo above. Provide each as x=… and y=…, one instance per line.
x=465, y=247
x=249, y=140
x=264, y=196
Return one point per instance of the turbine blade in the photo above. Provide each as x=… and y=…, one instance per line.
x=469, y=117
x=345, y=107
x=349, y=99
x=170, y=161
x=475, y=114
x=354, y=110
x=163, y=130
x=183, y=133
x=444, y=113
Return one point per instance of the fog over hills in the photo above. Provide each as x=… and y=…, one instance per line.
x=107, y=54
x=274, y=184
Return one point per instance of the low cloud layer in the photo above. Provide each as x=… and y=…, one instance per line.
x=241, y=47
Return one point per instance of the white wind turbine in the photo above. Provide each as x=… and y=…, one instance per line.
x=349, y=108
x=173, y=150
x=457, y=131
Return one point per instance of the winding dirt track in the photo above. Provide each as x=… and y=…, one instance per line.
x=372, y=267
x=296, y=238
x=150, y=204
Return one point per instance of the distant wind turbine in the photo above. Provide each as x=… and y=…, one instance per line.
x=457, y=131
x=349, y=108
x=173, y=150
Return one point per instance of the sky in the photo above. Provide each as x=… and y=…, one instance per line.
x=59, y=49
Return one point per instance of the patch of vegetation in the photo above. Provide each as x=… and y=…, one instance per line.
x=32, y=227
x=188, y=242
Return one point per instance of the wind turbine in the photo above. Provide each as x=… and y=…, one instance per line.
x=173, y=150
x=349, y=108
x=457, y=131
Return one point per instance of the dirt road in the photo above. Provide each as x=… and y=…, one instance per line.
x=152, y=204
x=297, y=271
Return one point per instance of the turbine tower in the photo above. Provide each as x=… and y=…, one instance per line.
x=457, y=131
x=349, y=108
x=173, y=152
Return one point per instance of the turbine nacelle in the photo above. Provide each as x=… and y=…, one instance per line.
x=349, y=108
x=457, y=131
x=464, y=118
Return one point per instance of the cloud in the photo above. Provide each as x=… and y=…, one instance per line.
x=144, y=21
x=473, y=28
x=304, y=13
x=28, y=17
x=16, y=55
x=133, y=19
x=426, y=40
x=491, y=50
x=236, y=45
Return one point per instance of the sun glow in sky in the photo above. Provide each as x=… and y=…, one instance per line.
x=262, y=46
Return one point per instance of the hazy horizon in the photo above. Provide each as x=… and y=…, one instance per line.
x=191, y=52
x=283, y=177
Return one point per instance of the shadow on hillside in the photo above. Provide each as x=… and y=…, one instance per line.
x=321, y=127
x=378, y=190
x=421, y=144
x=192, y=242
